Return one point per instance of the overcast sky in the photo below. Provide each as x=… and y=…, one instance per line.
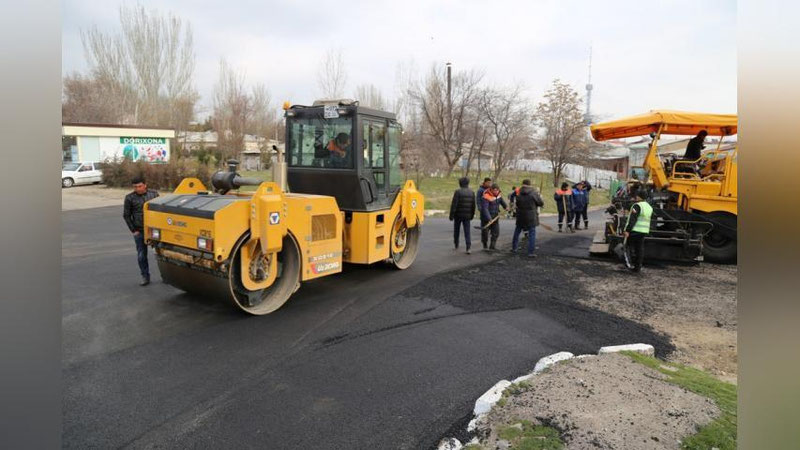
x=646, y=54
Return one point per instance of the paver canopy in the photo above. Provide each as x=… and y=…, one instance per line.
x=674, y=122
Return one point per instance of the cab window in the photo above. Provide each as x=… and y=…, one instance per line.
x=396, y=176
x=374, y=136
x=318, y=142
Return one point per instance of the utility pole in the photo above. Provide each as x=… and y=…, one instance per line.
x=449, y=104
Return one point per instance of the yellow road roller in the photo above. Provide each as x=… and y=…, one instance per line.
x=347, y=202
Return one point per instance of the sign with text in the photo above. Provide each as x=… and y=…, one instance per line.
x=145, y=148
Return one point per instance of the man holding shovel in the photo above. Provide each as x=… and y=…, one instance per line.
x=490, y=214
x=563, y=199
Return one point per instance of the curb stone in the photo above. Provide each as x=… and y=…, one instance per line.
x=638, y=348
x=548, y=361
x=485, y=402
x=450, y=444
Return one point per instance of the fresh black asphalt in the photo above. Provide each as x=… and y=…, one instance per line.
x=370, y=358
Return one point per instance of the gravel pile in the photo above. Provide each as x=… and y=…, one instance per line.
x=605, y=402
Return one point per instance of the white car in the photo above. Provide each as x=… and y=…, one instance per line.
x=75, y=173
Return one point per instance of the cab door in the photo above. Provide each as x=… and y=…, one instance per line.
x=374, y=138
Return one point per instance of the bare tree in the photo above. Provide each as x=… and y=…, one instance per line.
x=332, y=74
x=86, y=100
x=447, y=120
x=263, y=116
x=508, y=117
x=369, y=95
x=238, y=111
x=147, y=67
x=480, y=136
x=562, y=126
x=230, y=110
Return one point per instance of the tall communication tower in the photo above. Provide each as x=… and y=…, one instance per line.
x=588, y=116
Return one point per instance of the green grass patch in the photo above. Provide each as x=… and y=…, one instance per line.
x=265, y=175
x=721, y=432
x=473, y=447
x=513, y=390
x=438, y=191
x=525, y=435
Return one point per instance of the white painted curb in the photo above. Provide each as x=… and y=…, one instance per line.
x=450, y=444
x=548, y=361
x=485, y=402
x=638, y=348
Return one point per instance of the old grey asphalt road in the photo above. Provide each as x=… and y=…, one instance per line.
x=349, y=362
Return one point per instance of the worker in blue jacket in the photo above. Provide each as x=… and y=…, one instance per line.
x=580, y=203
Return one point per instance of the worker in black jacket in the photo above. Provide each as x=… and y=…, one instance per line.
x=133, y=213
x=695, y=146
x=528, y=203
x=462, y=210
x=693, y=151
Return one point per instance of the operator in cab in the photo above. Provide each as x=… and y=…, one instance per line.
x=695, y=146
x=339, y=148
x=637, y=228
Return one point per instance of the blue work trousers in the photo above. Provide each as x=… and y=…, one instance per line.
x=141, y=254
x=531, y=238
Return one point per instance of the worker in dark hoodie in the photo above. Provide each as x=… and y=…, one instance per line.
x=528, y=203
x=462, y=210
x=563, y=199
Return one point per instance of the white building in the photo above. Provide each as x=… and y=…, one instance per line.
x=99, y=142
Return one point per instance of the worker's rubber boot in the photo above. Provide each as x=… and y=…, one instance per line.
x=145, y=281
x=559, y=228
x=492, y=246
x=586, y=224
x=569, y=227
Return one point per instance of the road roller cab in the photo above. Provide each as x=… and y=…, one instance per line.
x=344, y=150
x=256, y=248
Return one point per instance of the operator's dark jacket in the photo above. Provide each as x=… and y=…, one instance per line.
x=133, y=211
x=528, y=202
x=463, y=204
x=693, y=149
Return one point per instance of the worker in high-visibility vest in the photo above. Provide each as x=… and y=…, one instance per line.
x=637, y=228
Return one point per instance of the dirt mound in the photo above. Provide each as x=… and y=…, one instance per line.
x=606, y=402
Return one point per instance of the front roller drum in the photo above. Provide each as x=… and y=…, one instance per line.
x=405, y=244
x=267, y=300
x=228, y=284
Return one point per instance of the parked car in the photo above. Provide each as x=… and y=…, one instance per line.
x=75, y=173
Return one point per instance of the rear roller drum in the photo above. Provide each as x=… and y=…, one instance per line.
x=405, y=244
x=269, y=299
